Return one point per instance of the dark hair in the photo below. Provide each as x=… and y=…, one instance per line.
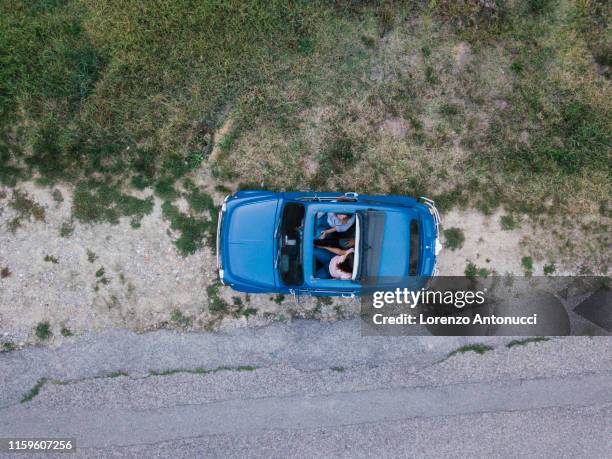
x=347, y=264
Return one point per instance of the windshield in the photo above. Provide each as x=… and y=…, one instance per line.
x=370, y=242
x=289, y=237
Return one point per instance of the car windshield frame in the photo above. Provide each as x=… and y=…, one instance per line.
x=372, y=225
x=289, y=237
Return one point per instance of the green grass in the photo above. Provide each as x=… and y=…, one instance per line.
x=477, y=348
x=526, y=341
x=549, y=269
x=216, y=304
x=180, y=319
x=43, y=331
x=66, y=229
x=527, y=264
x=453, y=238
x=51, y=259
x=34, y=391
x=472, y=271
x=25, y=209
x=90, y=93
x=508, y=222
x=65, y=331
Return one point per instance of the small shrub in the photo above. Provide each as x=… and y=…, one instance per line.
x=247, y=312
x=453, y=238
x=472, y=271
x=5, y=272
x=65, y=331
x=549, y=269
x=43, y=331
x=100, y=272
x=7, y=346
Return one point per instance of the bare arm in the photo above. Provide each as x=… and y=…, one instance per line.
x=335, y=250
x=326, y=232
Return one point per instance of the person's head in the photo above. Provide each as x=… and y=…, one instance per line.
x=343, y=217
x=347, y=264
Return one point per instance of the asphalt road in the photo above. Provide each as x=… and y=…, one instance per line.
x=312, y=389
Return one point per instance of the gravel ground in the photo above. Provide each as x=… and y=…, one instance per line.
x=147, y=279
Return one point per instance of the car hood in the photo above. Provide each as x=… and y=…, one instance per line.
x=249, y=243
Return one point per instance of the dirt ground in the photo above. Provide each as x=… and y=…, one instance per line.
x=106, y=275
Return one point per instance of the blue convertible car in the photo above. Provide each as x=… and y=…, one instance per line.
x=268, y=241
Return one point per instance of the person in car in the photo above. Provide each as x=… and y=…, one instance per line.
x=335, y=223
x=334, y=262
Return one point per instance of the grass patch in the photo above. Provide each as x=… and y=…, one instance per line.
x=91, y=256
x=66, y=229
x=180, y=319
x=43, y=331
x=549, y=269
x=65, y=331
x=97, y=202
x=477, y=348
x=508, y=223
x=453, y=238
x=192, y=230
x=472, y=271
x=526, y=341
x=25, y=208
x=34, y=391
x=338, y=369
x=527, y=264
x=216, y=304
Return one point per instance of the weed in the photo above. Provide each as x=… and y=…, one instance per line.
x=43, y=331
x=449, y=110
x=117, y=374
x=508, y=223
x=237, y=301
x=5, y=272
x=430, y=75
x=549, y=269
x=65, y=331
x=91, y=256
x=66, y=229
x=51, y=259
x=472, y=271
x=527, y=264
x=26, y=209
x=180, y=319
x=100, y=272
x=454, y=238
x=216, y=304
x=478, y=348
x=338, y=369
x=7, y=346
x=278, y=299
x=34, y=391
x=526, y=341
x=247, y=312
x=57, y=196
